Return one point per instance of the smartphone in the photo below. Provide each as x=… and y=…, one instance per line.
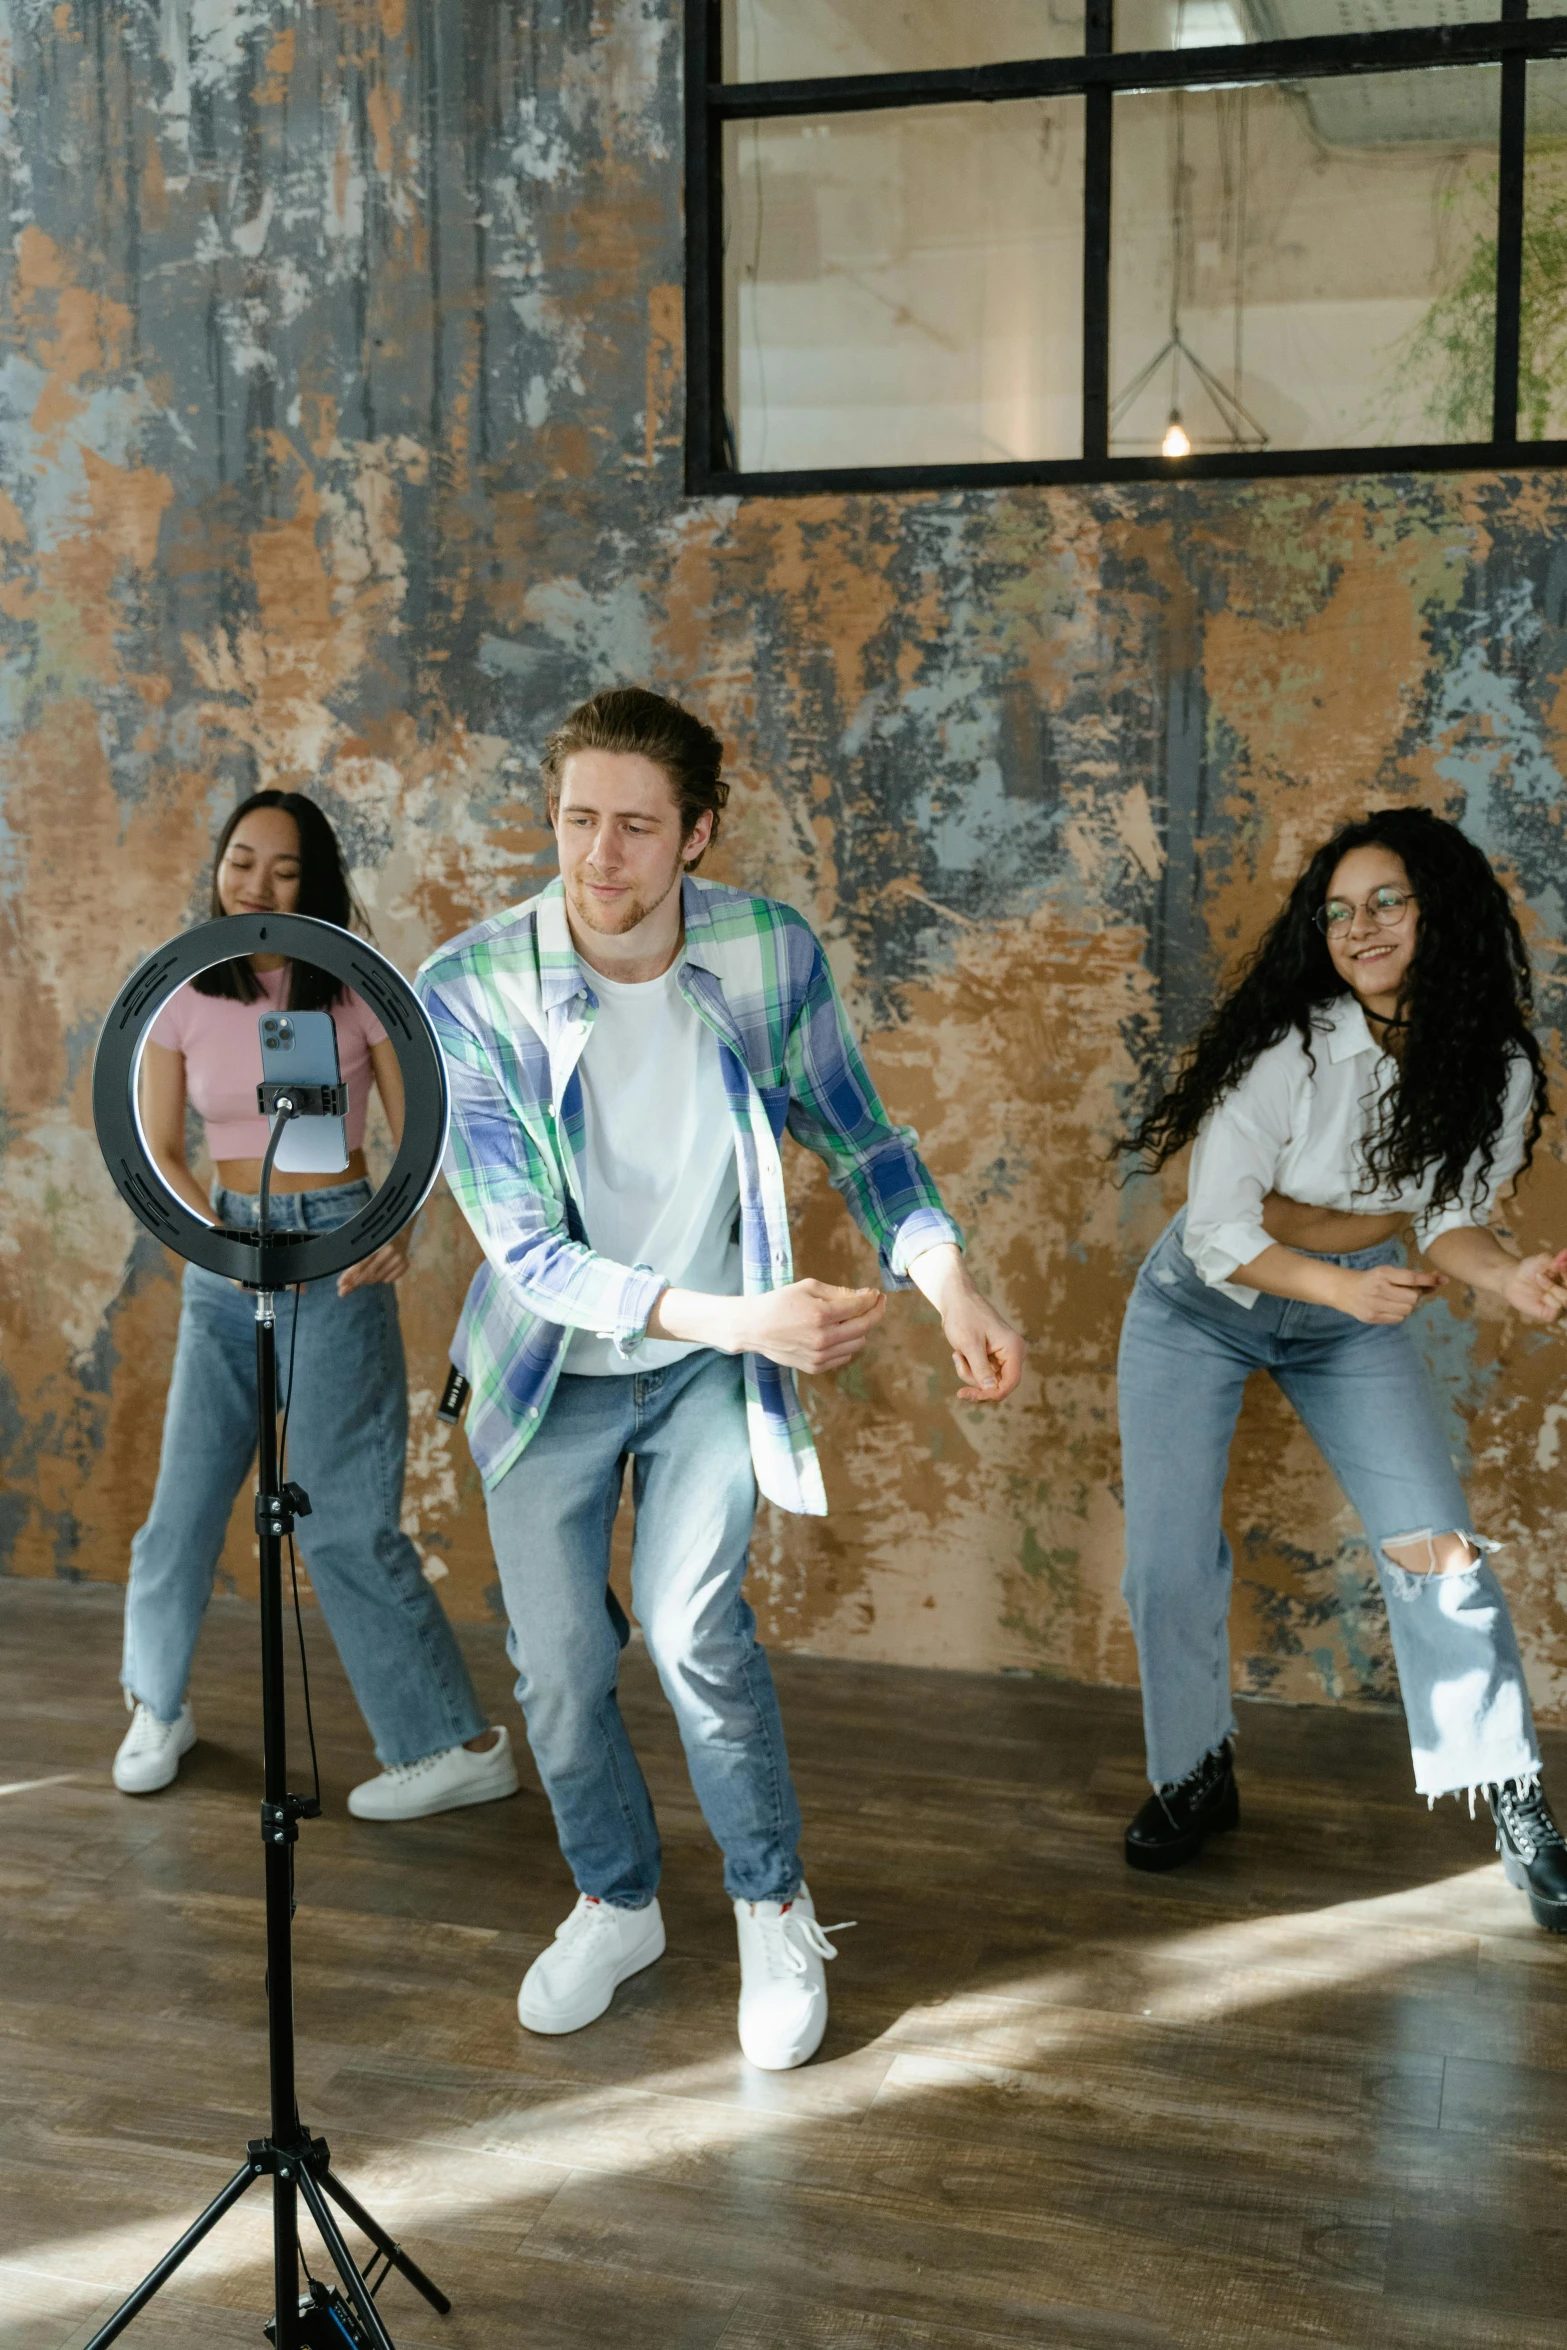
x=302, y=1046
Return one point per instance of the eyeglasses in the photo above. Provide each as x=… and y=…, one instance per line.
x=1385, y=906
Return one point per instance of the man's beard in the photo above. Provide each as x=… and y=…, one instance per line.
x=614, y=922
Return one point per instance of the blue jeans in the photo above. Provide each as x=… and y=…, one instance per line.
x=684, y=1431
x=1361, y=1389
x=347, y=1437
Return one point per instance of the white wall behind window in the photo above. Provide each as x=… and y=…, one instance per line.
x=907, y=287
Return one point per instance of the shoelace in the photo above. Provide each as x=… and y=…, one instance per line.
x=1194, y=1786
x=403, y=1772
x=588, y=1917
x=147, y=1730
x=779, y=1939
x=1526, y=1819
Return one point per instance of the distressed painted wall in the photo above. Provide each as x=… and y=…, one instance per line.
x=341, y=408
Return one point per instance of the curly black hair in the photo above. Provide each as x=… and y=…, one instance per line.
x=1465, y=1012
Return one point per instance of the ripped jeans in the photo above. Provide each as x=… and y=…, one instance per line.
x=1362, y=1391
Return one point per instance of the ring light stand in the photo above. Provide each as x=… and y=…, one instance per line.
x=297, y=2163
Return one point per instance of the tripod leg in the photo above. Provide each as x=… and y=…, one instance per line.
x=343, y=2262
x=285, y=2261
x=384, y=2244
x=172, y=2258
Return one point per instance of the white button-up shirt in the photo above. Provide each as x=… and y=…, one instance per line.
x=1299, y=1129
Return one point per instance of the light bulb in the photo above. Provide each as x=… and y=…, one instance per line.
x=1175, y=442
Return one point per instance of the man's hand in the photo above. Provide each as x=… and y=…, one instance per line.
x=389, y=1263
x=809, y=1326
x=1385, y=1293
x=1538, y=1288
x=812, y=1326
x=987, y=1353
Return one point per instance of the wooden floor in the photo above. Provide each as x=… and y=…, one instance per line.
x=1311, y=2091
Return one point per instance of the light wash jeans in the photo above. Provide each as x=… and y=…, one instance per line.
x=1362, y=1391
x=347, y=1437
x=684, y=1429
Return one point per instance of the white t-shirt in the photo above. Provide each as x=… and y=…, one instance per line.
x=1300, y=1129
x=661, y=1186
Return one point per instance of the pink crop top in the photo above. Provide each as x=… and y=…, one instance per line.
x=222, y=1048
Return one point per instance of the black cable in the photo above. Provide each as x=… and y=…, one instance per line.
x=304, y=1669
x=293, y=1560
x=288, y=1392
x=274, y=1138
x=284, y=1113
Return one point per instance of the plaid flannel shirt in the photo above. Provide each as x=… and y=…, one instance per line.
x=513, y=1008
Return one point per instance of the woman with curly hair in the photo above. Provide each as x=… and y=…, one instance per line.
x=1371, y=1074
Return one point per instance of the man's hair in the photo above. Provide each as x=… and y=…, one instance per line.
x=627, y=718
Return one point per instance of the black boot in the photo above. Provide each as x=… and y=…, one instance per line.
x=1533, y=1849
x=1172, y=1824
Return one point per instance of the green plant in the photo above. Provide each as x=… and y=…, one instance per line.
x=1453, y=346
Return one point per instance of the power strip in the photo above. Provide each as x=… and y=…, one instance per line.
x=326, y=2322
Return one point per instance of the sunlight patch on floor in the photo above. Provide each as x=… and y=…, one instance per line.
x=1245, y=1963
x=466, y=2170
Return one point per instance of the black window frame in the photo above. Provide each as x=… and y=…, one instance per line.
x=1512, y=40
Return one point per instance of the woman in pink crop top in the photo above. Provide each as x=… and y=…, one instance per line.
x=348, y=1423
x=205, y=1047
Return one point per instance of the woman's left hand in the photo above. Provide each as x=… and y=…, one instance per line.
x=1538, y=1290
x=391, y=1263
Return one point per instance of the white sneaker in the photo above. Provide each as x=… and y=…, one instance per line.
x=595, y=1949
x=439, y=1782
x=150, y=1751
x=783, y=1983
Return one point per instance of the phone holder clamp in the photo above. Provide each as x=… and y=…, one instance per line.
x=301, y=1101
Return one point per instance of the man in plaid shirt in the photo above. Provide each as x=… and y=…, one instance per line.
x=625, y=1051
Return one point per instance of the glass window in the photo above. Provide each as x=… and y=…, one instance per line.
x=1181, y=24
x=1542, y=337
x=1203, y=24
x=1299, y=20
x=1305, y=268
x=1280, y=274
x=905, y=287
x=793, y=40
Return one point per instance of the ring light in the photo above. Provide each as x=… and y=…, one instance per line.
x=285, y=1257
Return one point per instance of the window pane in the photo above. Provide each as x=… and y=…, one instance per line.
x=1305, y=268
x=1542, y=358
x=791, y=40
x=1200, y=24
x=1182, y=24
x=905, y=287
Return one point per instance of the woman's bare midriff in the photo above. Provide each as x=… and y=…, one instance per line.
x=1325, y=1232
x=244, y=1176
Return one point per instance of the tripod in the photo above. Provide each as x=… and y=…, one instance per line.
x=297, y=2164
